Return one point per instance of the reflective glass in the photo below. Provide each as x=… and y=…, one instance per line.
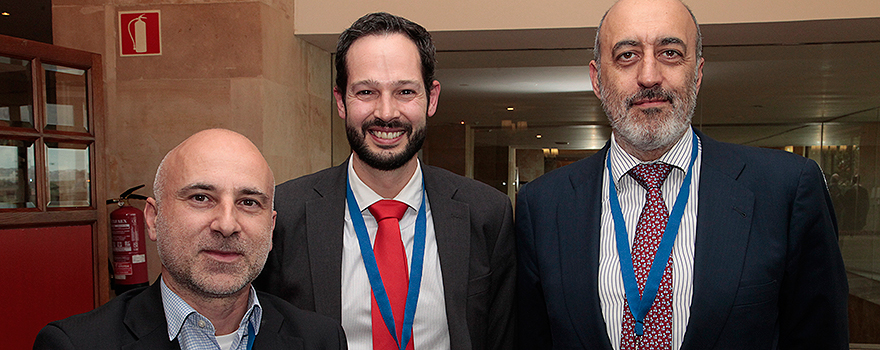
x=16, y=93
x=68, y=173
x=17, y=186
x=67, y=102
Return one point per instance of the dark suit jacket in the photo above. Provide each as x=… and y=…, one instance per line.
x=136, y=320
x=768, y=273
x=475, y=241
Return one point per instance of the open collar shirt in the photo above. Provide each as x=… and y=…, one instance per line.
x=194, y=331
x=430, y=329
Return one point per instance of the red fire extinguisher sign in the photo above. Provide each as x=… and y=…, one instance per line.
x=140, y=33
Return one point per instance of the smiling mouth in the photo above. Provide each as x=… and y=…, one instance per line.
x=386, y=135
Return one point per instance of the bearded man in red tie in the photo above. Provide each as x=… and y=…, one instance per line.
x=667, y=239
x=405, y=255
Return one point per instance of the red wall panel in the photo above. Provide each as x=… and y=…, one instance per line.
x=47, y=276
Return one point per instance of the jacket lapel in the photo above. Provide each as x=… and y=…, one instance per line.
x=145, y=319
x=579, y=223
x=270, y=336
x=327, y=214
x=723, y=224
x=452, y=230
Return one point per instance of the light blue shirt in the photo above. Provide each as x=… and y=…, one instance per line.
x=195, y=332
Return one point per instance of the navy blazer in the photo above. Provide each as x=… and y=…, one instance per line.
x=473, y=224
x=768, y=273
x=136, y=320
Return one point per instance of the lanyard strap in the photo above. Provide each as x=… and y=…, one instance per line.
x=251, y=335
x=415, y=272
x=639, y=305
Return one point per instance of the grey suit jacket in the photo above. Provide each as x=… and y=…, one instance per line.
x=474, y=229
x=136, y=320
x=768, y=273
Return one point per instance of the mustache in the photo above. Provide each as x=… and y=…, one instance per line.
x=224, y=244
x=654, y=93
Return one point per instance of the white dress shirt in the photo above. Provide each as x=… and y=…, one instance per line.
x=430, y=330
x=632, y=199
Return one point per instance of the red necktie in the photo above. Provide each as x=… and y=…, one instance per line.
x=391, y=260
x=652, y=223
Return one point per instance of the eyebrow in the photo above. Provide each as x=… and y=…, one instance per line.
x=195, y=186
x=252, y=192
x=623, y=43
x=249, y=191
x=671, y=41
x=395, y=83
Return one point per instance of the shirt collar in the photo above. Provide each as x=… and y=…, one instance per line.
x=177, y=311
x=678, y=156
x=411, y=194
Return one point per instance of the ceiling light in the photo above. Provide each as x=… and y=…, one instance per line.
x=4, y=13
x=462, y=122
x=538, y=136
x=509, y=108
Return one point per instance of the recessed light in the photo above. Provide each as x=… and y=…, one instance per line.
x=538, y=136
x=4, y=13
x=462, y=122
x=509, y=108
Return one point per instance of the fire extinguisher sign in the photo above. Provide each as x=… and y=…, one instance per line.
x=140, y=33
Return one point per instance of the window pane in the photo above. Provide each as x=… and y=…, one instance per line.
x=68, y=167
x=16, y=93
x=66, y=99
x=17, y=187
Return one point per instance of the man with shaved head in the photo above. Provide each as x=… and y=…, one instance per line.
x=212, y=218
x=667, y=239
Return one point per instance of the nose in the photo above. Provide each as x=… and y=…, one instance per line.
x=387, y=108
x=226, y=219
x=649, y=72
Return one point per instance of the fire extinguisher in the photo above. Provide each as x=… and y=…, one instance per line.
x=129, y=247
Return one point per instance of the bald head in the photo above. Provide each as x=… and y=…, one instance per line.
x=226, y=149
x=212, y=215
x=627, y=10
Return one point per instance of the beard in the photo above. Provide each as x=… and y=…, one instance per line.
x=651, y=128
x=207, y=277
x=385, y=160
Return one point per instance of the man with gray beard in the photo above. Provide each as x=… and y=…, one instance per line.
x=667, y=239
x=212, y=218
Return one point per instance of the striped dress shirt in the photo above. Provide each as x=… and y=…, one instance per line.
x=632, y=199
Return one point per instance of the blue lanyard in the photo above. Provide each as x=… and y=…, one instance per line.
x=415, y=271
x=639, y=305
x=251, y=335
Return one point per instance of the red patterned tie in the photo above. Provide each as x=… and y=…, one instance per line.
x=652, y=223
x=391, y=260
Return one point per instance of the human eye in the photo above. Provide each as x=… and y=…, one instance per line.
x=200, y=200
x=626, y=57
x=251, y=205
x=250, y=202
x=365, y=94
x=671, y=54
